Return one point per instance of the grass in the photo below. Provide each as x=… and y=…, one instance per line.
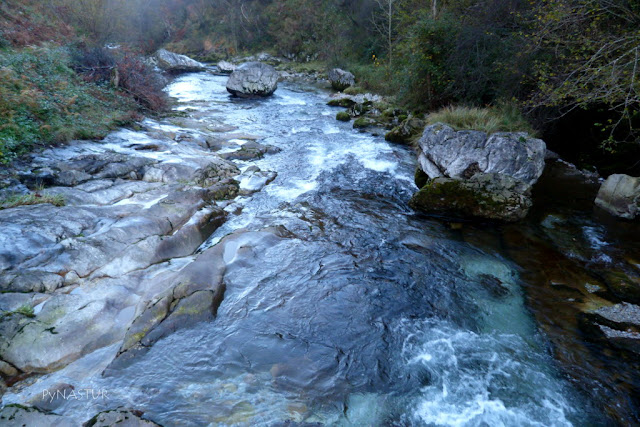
x=491, y=119
x=32, y=199
x=25, y=310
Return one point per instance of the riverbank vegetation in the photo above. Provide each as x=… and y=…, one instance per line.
x=55, y=87
x=570, y=66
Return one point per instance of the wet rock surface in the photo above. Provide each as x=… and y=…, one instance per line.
x=120, y=417
x=491, y=196
x=81, y=277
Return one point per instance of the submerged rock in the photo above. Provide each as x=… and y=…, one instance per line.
x=473, y=174
x=176, y=63
x=620, y=196
x=253, y=79
x=341, y=79
x=492, y=196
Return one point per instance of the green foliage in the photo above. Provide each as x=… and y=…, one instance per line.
x=43, y=101
x=424, y=71
x=490, y=120
x=589, y=56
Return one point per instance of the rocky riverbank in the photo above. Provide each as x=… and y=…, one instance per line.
x=115, y=260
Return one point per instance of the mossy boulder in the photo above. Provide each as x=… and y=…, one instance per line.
x=342, y=102
x=363, y=122
x=343, y=116
x=405, y=131
x=488, y=196
x=341, y=79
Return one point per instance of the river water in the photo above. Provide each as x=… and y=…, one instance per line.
x=368, y=314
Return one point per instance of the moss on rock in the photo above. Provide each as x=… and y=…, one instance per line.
x=489, y=196
x=343, y=116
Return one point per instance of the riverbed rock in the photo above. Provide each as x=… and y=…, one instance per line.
x=492, y=196
x=249, y=151
x=619, y=195
x=618, y=325
x=253, y=79
x=226, y=67
x=253, y=180
x=341, y=79
x=176, y=63
x=120, y=417
x=21, y=416
x=190, y=295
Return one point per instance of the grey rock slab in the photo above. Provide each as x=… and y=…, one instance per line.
x=252, y=181
x=620, y=196
x=192, y=294
x=120, y=417
x=20, y=416
x=67, y=327
x=174, y=62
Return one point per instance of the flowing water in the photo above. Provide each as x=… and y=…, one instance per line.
x=367, y=314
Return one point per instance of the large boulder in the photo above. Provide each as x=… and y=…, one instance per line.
x=460, y=154
x=620, y=196
x=253, y=79
x=473, y=174
x=341, y=79
x=176, y=63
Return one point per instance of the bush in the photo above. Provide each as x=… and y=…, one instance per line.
x=492, y=119
x=142, y=82
x=125, y=70
x=94, y=65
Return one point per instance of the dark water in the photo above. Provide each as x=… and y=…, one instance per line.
x=366, y=315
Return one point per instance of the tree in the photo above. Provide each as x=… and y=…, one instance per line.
x=384, y=21
x=589, y=54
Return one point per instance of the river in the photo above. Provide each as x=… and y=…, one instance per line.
x=367, y=314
